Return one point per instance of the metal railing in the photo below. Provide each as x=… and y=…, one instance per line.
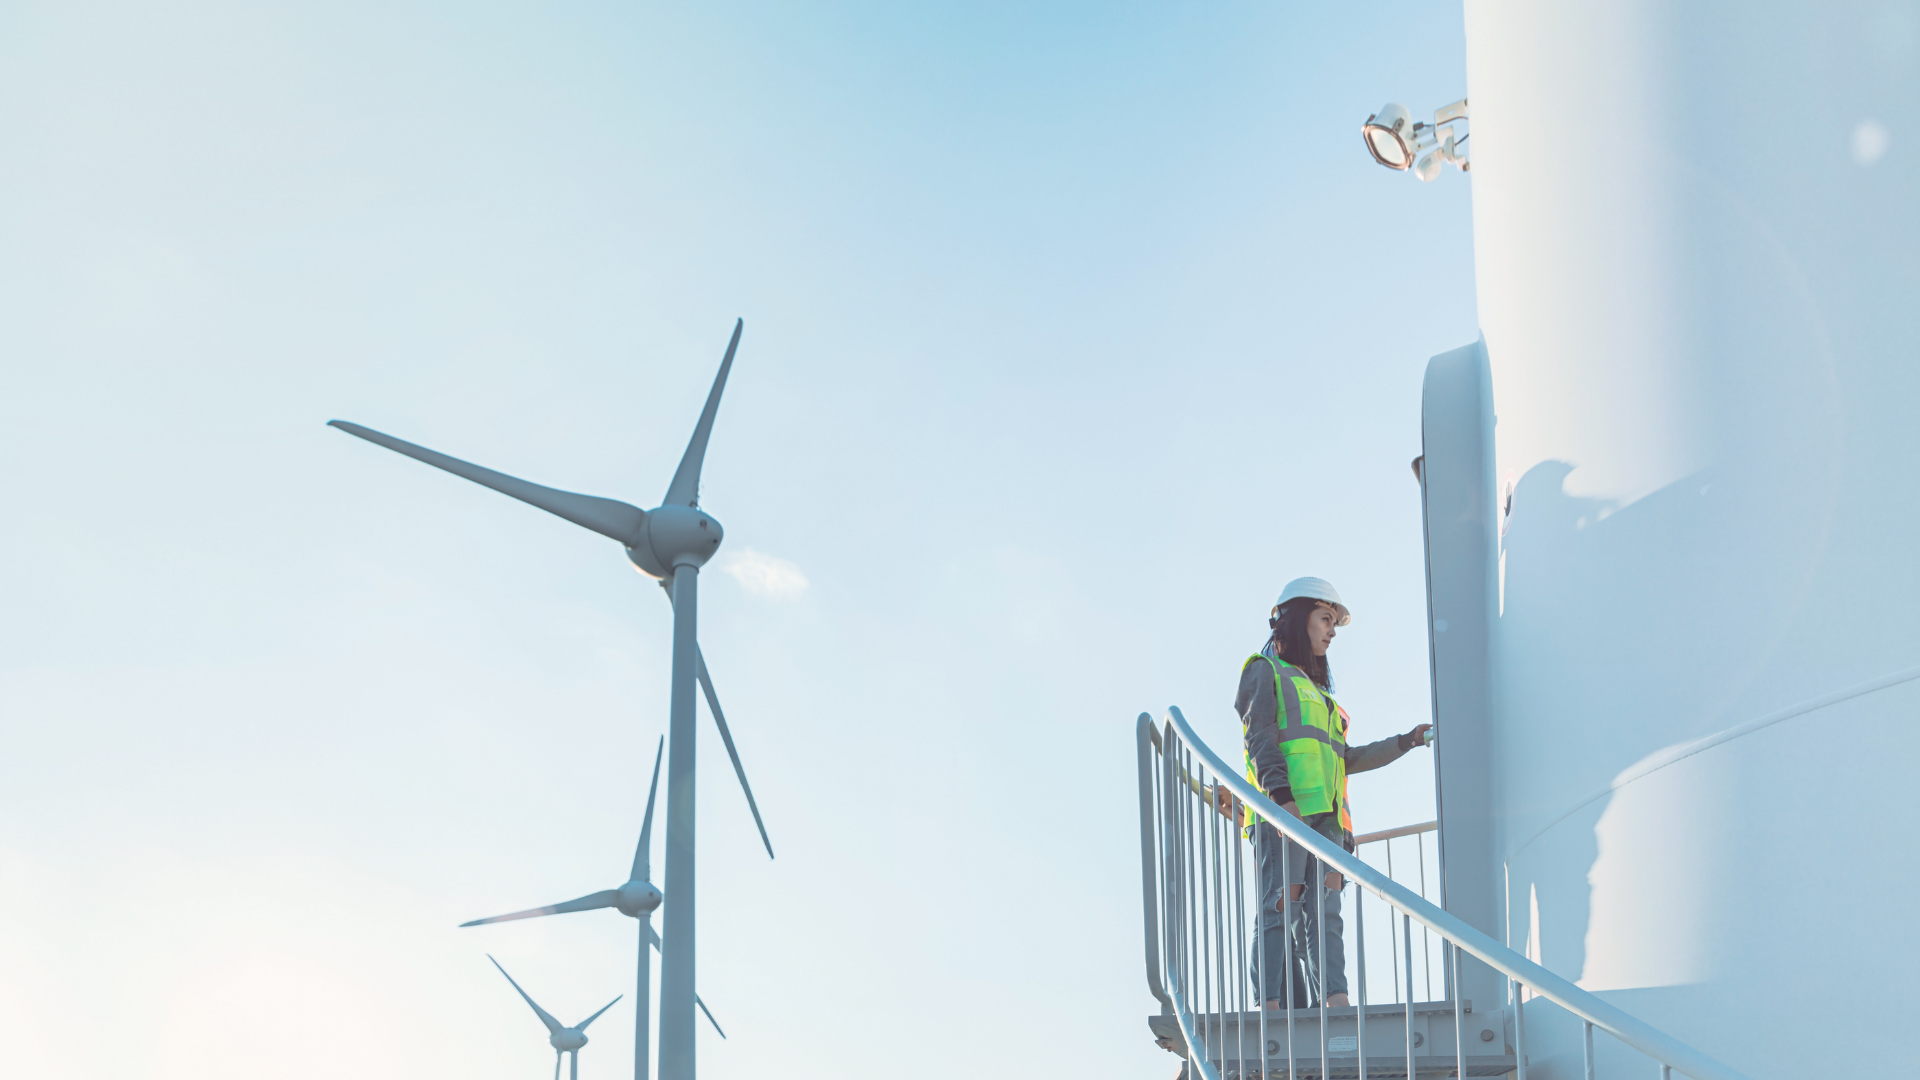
x=1197, y=875
x=1376, y=849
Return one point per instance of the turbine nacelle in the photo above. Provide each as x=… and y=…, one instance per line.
x=675, y=536
x=637, y=898
x=568, y=1039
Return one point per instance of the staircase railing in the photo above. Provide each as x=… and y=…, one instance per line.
x=1363, y=847
x=1197, y=869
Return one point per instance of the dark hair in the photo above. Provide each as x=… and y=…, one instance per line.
x=1290, y=639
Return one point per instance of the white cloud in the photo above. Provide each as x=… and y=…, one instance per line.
x=1870, y=140
x=763, y=574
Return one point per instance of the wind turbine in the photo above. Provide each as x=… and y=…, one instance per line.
x=670, y=543
x=563, y=1039
x=635, y=899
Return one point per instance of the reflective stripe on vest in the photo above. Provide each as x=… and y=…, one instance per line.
x=1312, y=735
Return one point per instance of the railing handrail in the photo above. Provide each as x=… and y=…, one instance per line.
x=1395, y=833
x=1588, y=1006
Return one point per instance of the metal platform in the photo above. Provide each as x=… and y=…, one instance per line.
x=1348, y=1068
x=1386, y=1033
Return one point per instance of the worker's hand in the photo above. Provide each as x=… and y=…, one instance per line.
x=1418, y=736
x=1223, y=799
x=1291, y=808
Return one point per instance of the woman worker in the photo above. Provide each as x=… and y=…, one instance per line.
x=1297, y=755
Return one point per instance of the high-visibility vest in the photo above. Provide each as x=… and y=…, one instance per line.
x=1313, y=735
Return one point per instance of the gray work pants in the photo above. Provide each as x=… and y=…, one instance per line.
x=1317, y=906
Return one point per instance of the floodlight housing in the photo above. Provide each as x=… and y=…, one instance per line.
x=1389, y=135
x=1403, y=145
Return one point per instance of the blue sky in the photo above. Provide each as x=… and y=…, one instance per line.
x=1073, y=332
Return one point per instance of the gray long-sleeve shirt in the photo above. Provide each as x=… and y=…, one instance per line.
x=1259, y=711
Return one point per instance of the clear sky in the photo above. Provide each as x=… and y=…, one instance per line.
x=1073, y=331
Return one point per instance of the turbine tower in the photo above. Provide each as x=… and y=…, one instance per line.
x=669, y=543
x=563, y=1039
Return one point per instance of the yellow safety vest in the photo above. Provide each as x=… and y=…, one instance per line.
x=1313, y=735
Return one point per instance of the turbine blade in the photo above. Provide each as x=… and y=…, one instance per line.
x=643, y=855
x=726, y=733
x=608, y=517
x=596, y=1016
x=603, y=898
x=558, y=1057
x=685, y=489
x=653, y=936
x=553, y=1026
x=709, y=1012
x=726, y=736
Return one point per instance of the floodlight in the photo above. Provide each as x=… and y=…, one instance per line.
x=1389, y=135
x=1398, y=142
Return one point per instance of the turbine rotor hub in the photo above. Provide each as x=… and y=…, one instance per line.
x=679, y=536
x=637, y=898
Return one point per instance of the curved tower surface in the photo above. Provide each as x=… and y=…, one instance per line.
x=1697, y=233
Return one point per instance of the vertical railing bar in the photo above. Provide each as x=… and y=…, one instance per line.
x=1177, y=790
x=1211, y=927
x=1177, y=872
x=1166, y=881
x=1194, y=884
x=1160, y=901
x=1393, y=941
x=1360, y=946
x=1519, y=1032
x=1239, y=943
x=1259, y=946
x=1406, y=938
x=1666, y=1071
x=1286, y=940
x=1587, y=1047
x=1318, y=886
x=1198, y=932
x=1219, y=918
x=1220, y=913
x=1176, y=955
x=1426, y=953
x=1204, y=992
x=1160, y=871
x=1187, y=894
x=1167, y=886
x=1177, y=932
x=1450, y=955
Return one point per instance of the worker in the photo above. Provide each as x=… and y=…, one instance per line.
x=1298, y=757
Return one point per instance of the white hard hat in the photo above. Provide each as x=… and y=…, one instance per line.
x=1317, y=589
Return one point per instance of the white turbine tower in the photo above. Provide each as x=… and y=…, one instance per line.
x=563, y=1039
x=635, y=899
x=671, y=543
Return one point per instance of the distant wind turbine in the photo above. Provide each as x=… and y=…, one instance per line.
x=563, y=1039
x=636, y=899
x=670, y=543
